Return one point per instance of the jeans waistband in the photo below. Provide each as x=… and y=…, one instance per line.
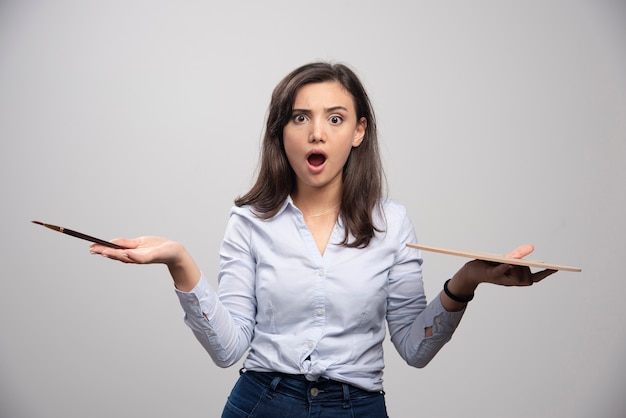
x=297, y=386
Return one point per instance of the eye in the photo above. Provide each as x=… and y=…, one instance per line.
x=299, y=118
x=336, y=119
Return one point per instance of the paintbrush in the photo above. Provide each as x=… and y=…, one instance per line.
x=79, y=235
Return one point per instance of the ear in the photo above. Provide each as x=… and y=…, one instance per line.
x=359, y=132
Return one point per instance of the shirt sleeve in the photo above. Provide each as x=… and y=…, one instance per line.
x=421, y=350
x=408, y=314
x=223, y=322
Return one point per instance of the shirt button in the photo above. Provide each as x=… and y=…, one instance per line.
x=319, y=312
x=315, y=392
x=320, y=273
x=310, y=344
x=206, y=292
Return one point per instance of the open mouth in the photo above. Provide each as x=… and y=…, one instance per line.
x=316, y=160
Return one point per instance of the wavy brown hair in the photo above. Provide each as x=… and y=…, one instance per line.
x=362, y=187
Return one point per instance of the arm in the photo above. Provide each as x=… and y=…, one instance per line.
x=419, y=331
x=441, y=317
x=464, y=283
x=223, y=333
x=223, y=321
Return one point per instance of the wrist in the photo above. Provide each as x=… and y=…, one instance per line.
x=456, y=296
x=461, y=286
x=458, y=291
x=175, y=255
x=183, y=270
x=464, y=281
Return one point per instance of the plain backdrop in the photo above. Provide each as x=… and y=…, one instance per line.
x=501, y=123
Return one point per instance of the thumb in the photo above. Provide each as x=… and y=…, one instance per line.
x=521, y=251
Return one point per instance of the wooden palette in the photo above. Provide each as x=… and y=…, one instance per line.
x=494, y=258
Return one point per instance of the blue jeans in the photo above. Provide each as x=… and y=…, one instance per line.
x=278, y=395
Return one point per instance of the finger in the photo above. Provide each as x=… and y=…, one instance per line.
x=521, y=251
x=540, y=275
x=97, y=248
x=501, y=270
x=113, y=254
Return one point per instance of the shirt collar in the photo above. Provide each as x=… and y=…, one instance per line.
x=287, y=203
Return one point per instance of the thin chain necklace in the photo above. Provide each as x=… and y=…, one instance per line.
x=326, y=212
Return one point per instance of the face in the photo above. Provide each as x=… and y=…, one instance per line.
x=320, y=134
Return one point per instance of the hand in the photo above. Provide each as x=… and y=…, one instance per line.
x=478, y=271
x=150, y=250
x=465, y=281
x=142, y=250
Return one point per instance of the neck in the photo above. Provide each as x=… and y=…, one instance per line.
x=326, y=212
x=317, y=204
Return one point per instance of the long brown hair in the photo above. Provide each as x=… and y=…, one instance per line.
x=363, y=175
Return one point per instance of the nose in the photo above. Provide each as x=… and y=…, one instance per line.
x=317, y=133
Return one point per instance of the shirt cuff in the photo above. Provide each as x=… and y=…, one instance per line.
x=442, y=321
x=199, y=303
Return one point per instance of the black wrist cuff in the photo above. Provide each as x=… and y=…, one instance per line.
x=460, y=299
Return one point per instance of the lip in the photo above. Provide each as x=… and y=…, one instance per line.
x=316, y=168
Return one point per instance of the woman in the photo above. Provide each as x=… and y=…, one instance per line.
x=314, y=260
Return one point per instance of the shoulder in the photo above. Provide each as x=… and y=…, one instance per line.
x=244, y=211
x=392, y=217
x=392, y=207
x=248, y=214
x=392, y=211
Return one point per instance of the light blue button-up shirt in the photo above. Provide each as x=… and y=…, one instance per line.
x=299, y=312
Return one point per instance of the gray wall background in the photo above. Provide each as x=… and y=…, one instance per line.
x=501, y=123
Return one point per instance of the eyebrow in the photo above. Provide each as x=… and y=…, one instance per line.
x=327, y=109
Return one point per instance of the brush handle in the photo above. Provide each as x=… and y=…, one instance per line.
x=80, y=235
x=90, y=238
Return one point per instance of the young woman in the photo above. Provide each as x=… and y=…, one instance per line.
x=314, y=261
